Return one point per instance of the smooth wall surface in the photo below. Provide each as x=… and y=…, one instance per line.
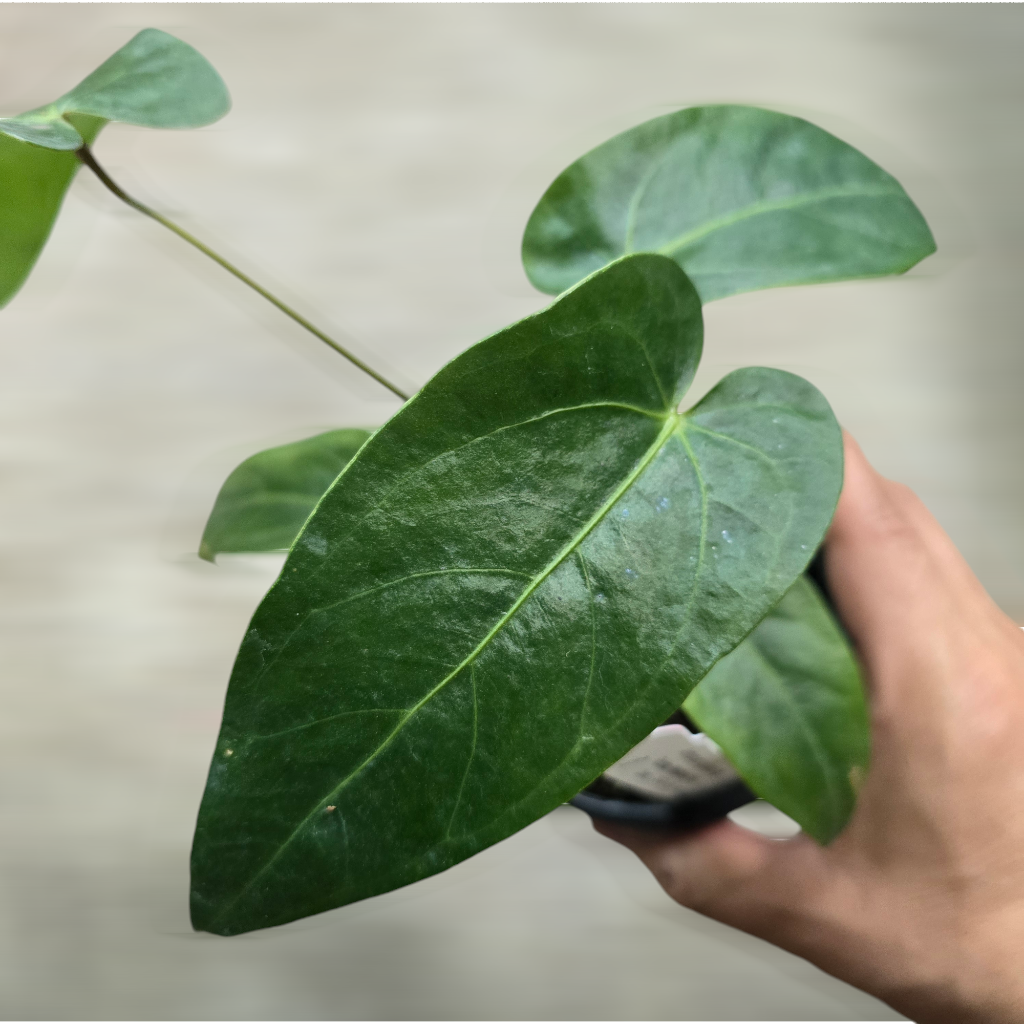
x=378, y=167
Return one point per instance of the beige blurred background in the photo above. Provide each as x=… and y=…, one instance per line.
x=378, y=167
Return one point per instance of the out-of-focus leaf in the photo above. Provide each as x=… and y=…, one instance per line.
x=154, y=80
x=518, y=576
x=742, y=198
x=267, y=498
x=787, y=708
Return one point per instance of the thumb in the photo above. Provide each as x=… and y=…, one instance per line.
x=762, y=886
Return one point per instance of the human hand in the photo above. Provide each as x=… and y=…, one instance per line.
x=920, y=900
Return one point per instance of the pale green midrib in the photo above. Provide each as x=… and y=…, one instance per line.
x=400, y=481
x=693, y=425
x=638, y=196
x=671, y=421
x=472, y=754
x=768, y=206
x=680, y=432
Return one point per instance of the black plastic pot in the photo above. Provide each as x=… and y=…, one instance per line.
x=709, y=787
x=614, y=797
x=691, y=813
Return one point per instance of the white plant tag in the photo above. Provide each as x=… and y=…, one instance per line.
x=672, y=763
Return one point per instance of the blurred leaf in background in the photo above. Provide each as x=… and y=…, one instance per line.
x=154, y=80
x=787, y=707
x=740, y=197
x=264, y=502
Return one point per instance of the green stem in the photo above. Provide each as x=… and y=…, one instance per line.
x=85, y=155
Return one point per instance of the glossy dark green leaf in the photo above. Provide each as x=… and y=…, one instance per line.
x=267, y=498
x=33, y=182
x=516, y=578
x=787, y=707
x=741, y=198
x=154, y=80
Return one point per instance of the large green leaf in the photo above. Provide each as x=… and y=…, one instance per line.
x=33, y=182
x=516, y=578
x=154, y=80
x=741, y=198
x=267, y=498
x=787, y=707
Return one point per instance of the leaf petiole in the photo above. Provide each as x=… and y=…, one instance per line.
x=85, y=155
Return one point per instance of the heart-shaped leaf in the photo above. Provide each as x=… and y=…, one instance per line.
x=787, y=708
x=741, y=198
x=154, y=80
x=267, y=498
x=518, y=576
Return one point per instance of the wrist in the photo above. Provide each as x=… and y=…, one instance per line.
x=978, y=980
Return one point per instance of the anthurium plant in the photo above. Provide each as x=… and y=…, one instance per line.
x=549, y=548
